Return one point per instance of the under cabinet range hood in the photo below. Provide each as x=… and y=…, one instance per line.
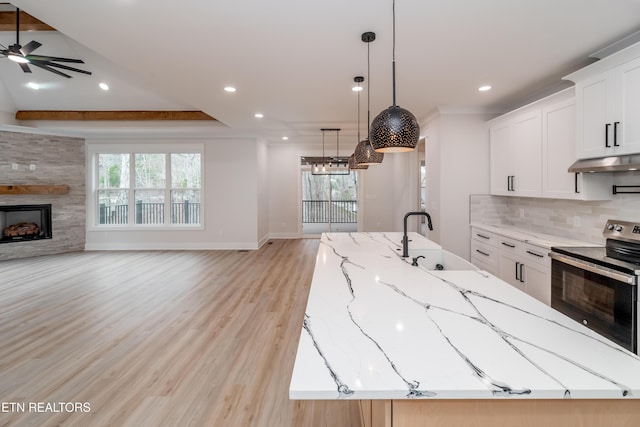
x=626, y=163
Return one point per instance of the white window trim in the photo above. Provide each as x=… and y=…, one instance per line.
x=93, y=149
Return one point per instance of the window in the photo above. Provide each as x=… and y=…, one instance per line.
x=149, y=188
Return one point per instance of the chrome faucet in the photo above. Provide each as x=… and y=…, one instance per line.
x=405, y=239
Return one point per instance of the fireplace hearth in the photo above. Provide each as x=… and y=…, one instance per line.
x=25, y=223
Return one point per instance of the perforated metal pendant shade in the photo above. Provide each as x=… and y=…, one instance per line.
x=365, y=154
x=394, y=130
x=353, y=165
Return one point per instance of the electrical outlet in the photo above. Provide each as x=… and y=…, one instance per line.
x=32, y=167
x=14, y=166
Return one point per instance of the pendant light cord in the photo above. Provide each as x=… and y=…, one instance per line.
x=17, y=26
x=369, y=94
x=393, y=66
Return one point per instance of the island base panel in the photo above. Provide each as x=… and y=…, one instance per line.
x=501, y=413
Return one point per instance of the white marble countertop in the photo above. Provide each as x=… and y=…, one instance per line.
x=533, y=237
x=376, y=327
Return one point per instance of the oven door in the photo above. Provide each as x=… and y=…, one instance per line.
x=602, y=299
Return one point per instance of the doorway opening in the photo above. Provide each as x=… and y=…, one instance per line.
x=329, y=202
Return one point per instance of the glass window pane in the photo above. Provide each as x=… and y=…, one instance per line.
x=151, y=170
x=113, y=171
x=185, y=206
x=113, y=206
x=185, y=170
x=149, y=206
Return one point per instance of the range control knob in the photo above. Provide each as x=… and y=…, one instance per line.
x=609, y=226
x=618, y=228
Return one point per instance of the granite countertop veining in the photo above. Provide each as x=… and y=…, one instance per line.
x=376, y=327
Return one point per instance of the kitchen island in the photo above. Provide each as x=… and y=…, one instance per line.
x=457, y=346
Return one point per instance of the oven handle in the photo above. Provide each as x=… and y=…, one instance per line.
x=602, y=271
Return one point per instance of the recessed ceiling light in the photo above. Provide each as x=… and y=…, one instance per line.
x=285, y=138
x=484, y=88
x=33, y=85
x=104, y=86
x=230, y=89
x=258, y=115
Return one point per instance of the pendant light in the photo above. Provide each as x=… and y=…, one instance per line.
x=332, y=165
x=394, y=129
x=364, y=153
x=353, y=163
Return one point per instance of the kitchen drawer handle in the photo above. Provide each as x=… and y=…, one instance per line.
x=517, y=268
x=615, y=134
x=481, y=252
x=483, y=236
x=508, y=245
x=522, y=273
x=535, y=254
x=606, y=135
x=576, y=183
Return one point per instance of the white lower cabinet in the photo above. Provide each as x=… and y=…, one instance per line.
x=522, y=265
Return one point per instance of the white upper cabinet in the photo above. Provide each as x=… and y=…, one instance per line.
x=515, y=144
x=532, y=149
x=608, y=105
x=559, y=152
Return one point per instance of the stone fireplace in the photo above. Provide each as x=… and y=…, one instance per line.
x=30, y=159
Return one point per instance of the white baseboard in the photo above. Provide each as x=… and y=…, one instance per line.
x=170, y=246
x=285, y=236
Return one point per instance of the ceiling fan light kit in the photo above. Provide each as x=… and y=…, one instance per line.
x=394, y=129
x=23, y=57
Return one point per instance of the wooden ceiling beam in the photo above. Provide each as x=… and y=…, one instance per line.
x=27, y=22
x=111, y=115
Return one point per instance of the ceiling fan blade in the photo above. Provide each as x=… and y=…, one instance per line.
x=53, y=58
x=30, y=47
x=64, y=67
x=46, y=67
x=25, y=68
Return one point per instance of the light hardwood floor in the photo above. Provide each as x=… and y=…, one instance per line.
x=165, y=338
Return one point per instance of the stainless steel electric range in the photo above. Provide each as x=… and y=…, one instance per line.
x=598, y=286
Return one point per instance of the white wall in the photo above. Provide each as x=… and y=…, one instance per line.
x=7, y=107
x=230, y=196
x=458, y=166
x=262, y=187
x=388, y=190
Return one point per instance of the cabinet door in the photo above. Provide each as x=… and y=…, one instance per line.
x=527, y=141
x=595, y=104
x=509, y=270
x=628, y=113
x=501, y=158
x=537, y=282
x=559, y=151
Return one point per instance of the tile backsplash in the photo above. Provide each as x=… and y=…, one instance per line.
x=567, y=218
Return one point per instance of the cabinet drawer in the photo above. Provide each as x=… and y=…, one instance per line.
x=486, y=253
x=483, y=236
x=535, y=254
x=483, y=265
x=510, y=245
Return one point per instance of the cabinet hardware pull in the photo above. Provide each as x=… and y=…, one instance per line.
x=508, y=245
x=606, y=135
x=535, y=254
x=481, y=252
x=482, y=235
x=576, y=183
x=522, y=273
x=508, y=182
x=615, y=134
x=517, y=265
x=513, y=183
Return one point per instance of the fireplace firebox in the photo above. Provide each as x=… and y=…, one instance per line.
x=25, y=222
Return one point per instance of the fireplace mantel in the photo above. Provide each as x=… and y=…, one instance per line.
x=34, y=189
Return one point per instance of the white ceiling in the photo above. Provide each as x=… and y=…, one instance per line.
x=295, y=60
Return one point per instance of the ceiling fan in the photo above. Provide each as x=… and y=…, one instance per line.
x=23, y=57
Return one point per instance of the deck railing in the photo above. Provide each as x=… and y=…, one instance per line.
x=150, y=213
x=325, y=211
